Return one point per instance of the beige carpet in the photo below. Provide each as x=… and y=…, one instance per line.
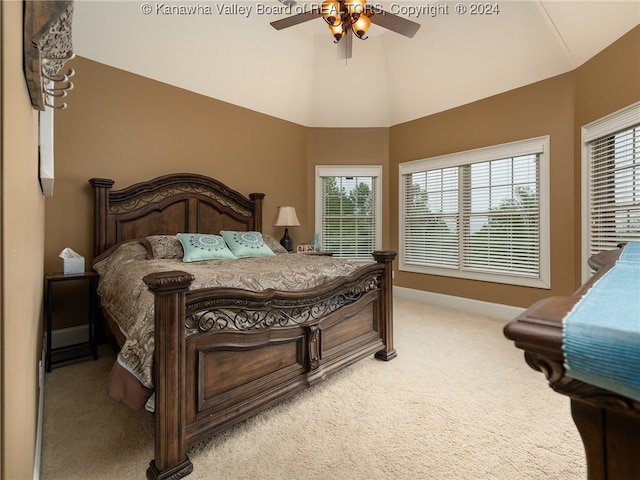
x=457, y=403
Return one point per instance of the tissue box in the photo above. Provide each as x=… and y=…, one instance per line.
x=72, y=262
x=73, y=266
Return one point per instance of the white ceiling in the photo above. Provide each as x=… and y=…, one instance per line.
x=294, y=74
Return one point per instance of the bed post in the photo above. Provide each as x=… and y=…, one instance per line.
x=101, y=187
x=171, y=460
x=257, y=210
x=386, y=257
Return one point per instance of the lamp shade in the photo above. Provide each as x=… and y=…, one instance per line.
x=361, y=26
x=337, y=31
x=331, y=12
x=286, y=217
x=356, y=6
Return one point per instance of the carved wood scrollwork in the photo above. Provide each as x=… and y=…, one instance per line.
x=47, y=46
x=554, y=371
x=314, y=346
x=247, y=314
x=156, y=196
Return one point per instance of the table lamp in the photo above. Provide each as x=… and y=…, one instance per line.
x=286, y=217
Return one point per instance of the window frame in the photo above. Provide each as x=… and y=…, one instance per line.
x=610, y=124
x=351, y=171
x=538, y=146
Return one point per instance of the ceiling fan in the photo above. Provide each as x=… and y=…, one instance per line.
x=347, y=18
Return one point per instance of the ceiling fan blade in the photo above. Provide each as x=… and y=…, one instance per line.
x=345, y=45
x=393, y=22
x=296, y=19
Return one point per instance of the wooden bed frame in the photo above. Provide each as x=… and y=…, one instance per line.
x=608, y=422
x=211, y=380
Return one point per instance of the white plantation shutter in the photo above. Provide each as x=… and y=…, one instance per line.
x=348, y=211
x=481, y=214
x=614, y=189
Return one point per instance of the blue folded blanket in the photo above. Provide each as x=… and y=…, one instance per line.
x=601, y=335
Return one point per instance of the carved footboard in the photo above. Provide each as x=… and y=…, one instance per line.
x=251, y=350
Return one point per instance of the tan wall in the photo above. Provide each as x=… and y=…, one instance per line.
x=609, y=81
x=22, y=247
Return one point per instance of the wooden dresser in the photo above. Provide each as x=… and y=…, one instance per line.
x=609, y=423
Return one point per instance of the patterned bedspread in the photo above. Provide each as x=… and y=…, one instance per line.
x=127, y=299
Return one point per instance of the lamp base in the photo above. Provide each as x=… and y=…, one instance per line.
x=286, y=241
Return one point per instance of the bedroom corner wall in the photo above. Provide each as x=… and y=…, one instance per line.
x=355, y=146
x=609, y=81
x=22, y=243
x=558, y=107
x=543, y=108
x=600, y=93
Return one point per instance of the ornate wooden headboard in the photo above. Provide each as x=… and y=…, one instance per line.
x=180, y=202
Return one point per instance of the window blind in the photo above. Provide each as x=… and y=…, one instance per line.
x=432, y=218
x=614, y=189
x=501, y=216
x=481, y=214
x=348, y=223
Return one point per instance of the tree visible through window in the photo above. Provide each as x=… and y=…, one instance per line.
x=502, y=216
x=474, y=216
x=349, y=224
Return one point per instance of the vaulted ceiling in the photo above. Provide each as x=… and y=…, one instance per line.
x=228, y=50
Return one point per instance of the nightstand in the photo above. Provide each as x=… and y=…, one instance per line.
x=321, y=253
x=78, y=350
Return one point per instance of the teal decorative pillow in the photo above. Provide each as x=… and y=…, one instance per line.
x=247, y=244
x=198, y=246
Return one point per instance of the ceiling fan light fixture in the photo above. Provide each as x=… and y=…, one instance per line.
x=356, y=8
x=331, y=12
x=346, y=18
x=361, y=26
x=337, y=31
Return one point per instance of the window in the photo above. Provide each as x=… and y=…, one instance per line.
x=611, y=182
x=348, y=210
x=480, y=214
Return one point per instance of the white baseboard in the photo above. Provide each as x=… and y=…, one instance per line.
x=38, y=450
x=69, y=336
x=488, y=309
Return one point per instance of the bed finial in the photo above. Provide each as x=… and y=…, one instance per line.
x=386, y=258
x=101, y=187
x=257, y=212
